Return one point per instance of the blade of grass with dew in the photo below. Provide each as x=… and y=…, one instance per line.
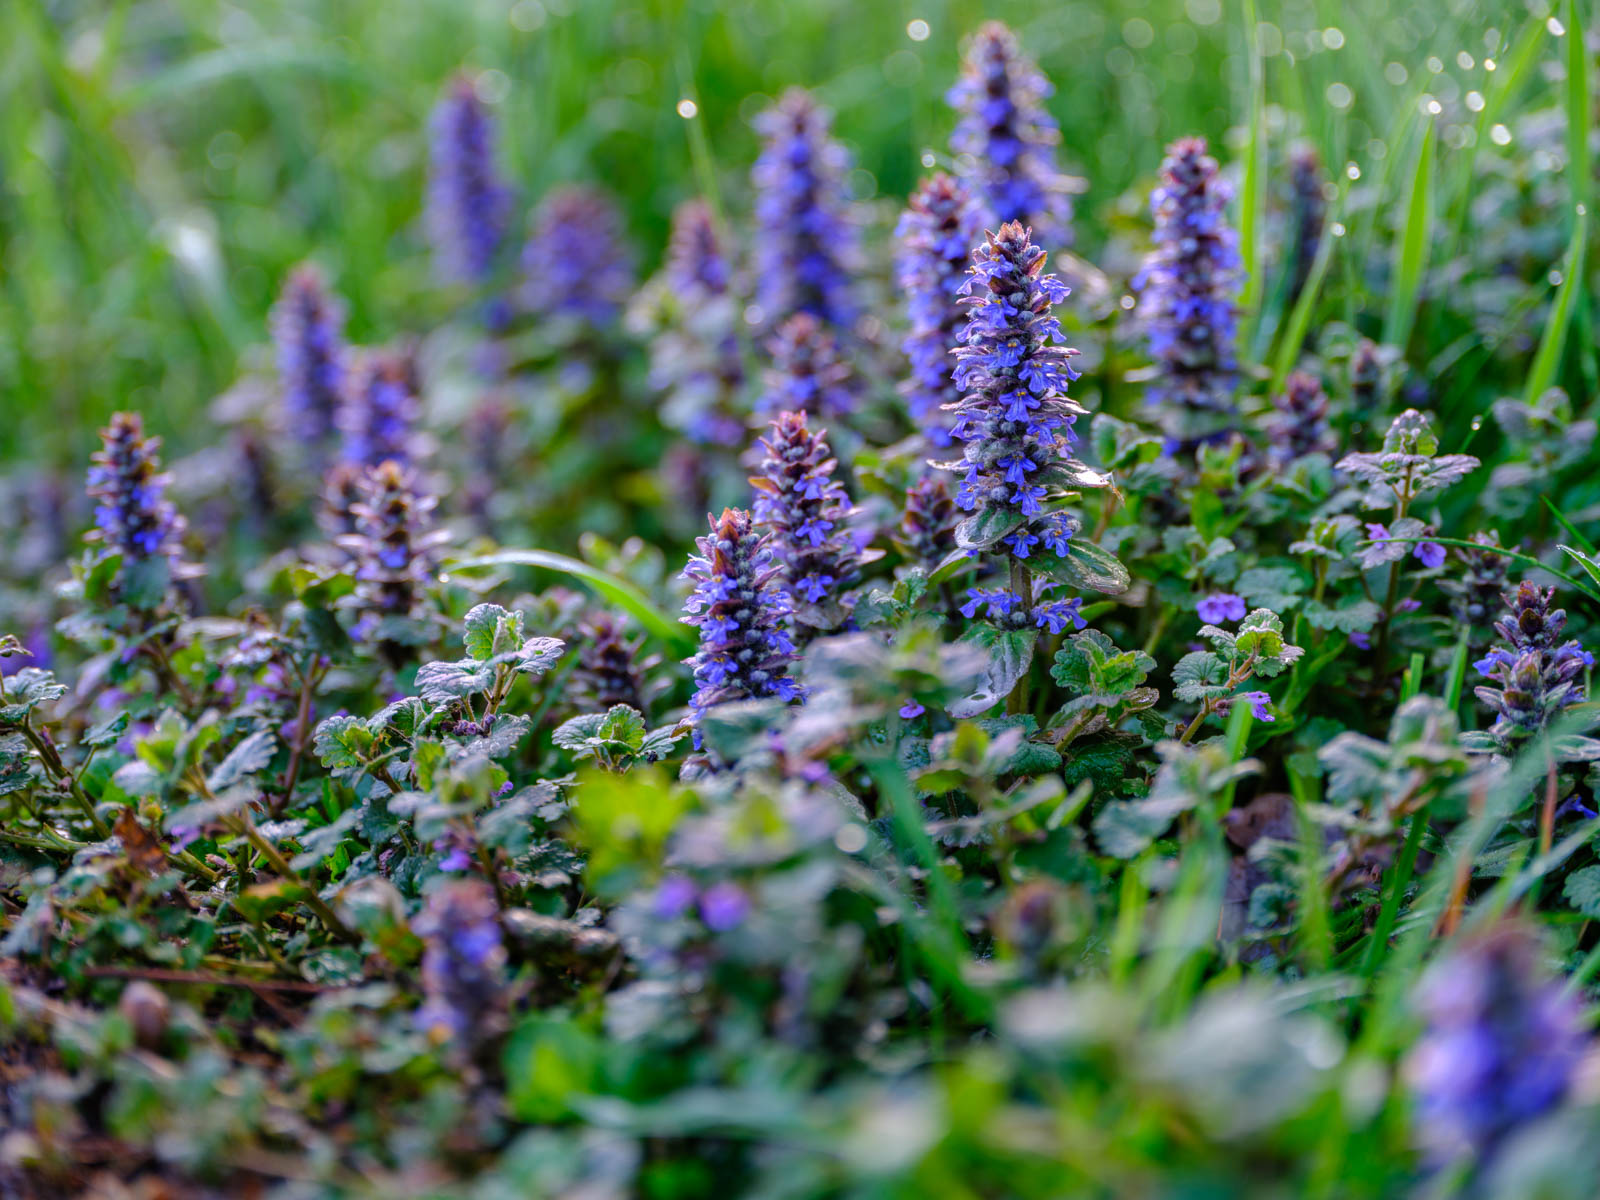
x=1579, y=112
x=1411, y=255
x=617, y=590
x=1573, y=531
x=1250, y=193
x=1547, y=360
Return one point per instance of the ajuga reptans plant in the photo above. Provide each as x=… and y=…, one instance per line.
x=133, y=519
x=463, y=964
x=1006, y=140
x=308, y=333
x=379, y=414
x=805, y=508
x=808, y=374
x=937, y=231
x=741, y=609
x=1188, y=285
x=469, y=204
x=805, y=242
x=576, y=265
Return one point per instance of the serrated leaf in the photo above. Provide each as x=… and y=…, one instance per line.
x=1356, y=616
x=442, y=682
x=488, y=630
x=1582, y=890
x=1198, y=675
x=341, y=743
x=247, y=758
x=26, y=690
x=106, y=733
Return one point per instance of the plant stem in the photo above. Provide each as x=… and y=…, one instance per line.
x=281, y=866
x=1021, y=586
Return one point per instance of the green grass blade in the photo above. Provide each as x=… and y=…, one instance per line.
x=1295, y=328
x=1573, y=531
x=619, y=591
x=1411, y=255
x=1547, y=360
x=1578, y=110
x=1251, y=191
x=1455, y=682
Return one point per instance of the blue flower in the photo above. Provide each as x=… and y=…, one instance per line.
x=1502, y=1046
x=1430, y=554
x=308, y=335
x=1188, y=285
x=911, y=710
x=576, y=266
x=936, y=232
x=1219, y=607
x=806, y=510
x=805, y=243
x=469, y=204
x=808, y=373
x=736, y=580
x=723, y=906
x=1536, y=674
x=1258, y=702
x=380, y=408
x=132, y=516
x=463, y=962
x=1006, y=141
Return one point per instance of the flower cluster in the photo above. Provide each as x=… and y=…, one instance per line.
x=469, y=204
x=1501, y=1048
x=463, y=963
x=576, y=264
x=1299, y=426
x=805, y=246
x=1188, y=285
x=308, y=334
x=1008, y=137
x=928, y=521
x=132, y=516
x=805, y=508
x=741, y=608
x=1535, y=674
x=380, y=408
x=1008, y=610
x=393, y=550
x=609, y=670
x=1014, y=416
x=937, y=232
x=1367, y=368
x=1476, y=594
x=1308, y=212
x=690, y=314
x=808, y=374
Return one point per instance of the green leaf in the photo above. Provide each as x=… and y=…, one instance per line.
x=488, y=630
x=1411, y=252
x=1085, y=567
x=1582, y=890
x=25, y=691
x=984, y=528
x=1198, y=675
x=1547, y=359
x=442, y=682
x=1351, y=616
x=1010, y=654
x=619, y=591
x=249, y=757
x=342, y=743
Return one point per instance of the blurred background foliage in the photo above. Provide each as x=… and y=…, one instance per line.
x=163, y=162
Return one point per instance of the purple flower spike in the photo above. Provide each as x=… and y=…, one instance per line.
x=806, y=244
x=1219, y=607
x=936, y=232
x=1300, y=425
x=308, y=333
x=808, y=373
x=1188, y=285
x=1502, y=1046
x=1014, y=416
x=463, y=965
x=1006, y=140
x=380, y=408
x=576, y=265
x=132, y=516
x=1536, y=675
x=724, y=906
x=741, y=608
x=469, y=204
x=807, y=510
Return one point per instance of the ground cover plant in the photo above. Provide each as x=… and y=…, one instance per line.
x=793, y=602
